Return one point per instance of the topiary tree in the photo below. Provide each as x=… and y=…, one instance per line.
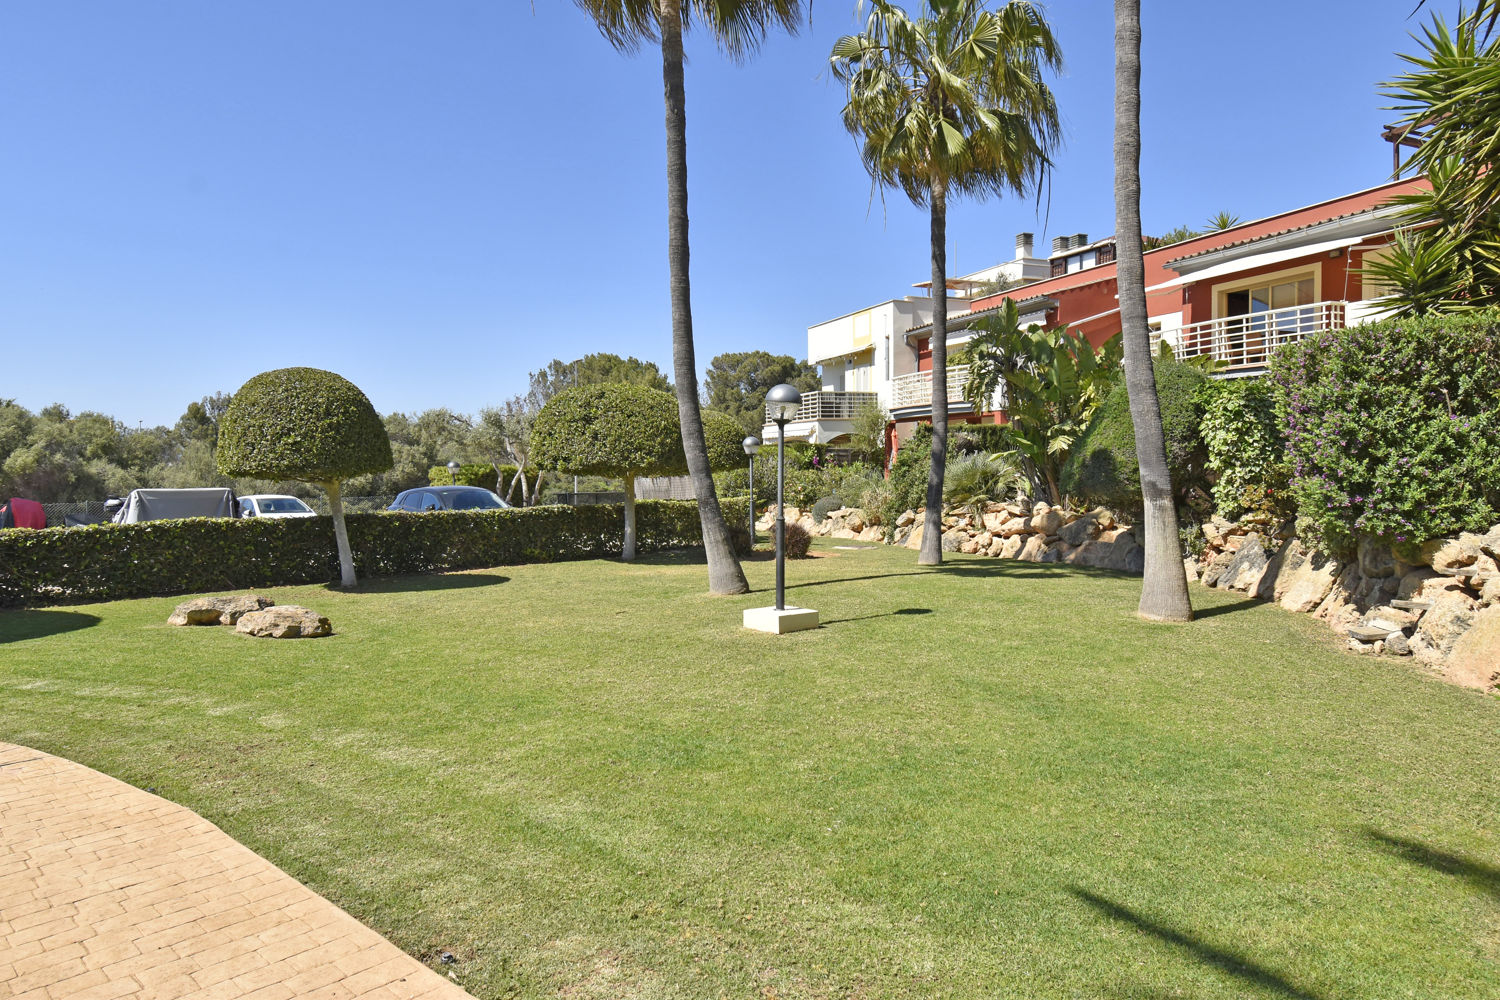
x=1103, y=466
x=624, y=431
x=307, y=424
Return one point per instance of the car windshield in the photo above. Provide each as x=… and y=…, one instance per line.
x=283, y=505
x=473, y=500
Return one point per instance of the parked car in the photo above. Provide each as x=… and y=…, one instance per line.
x=274, y=506
x=447, y=498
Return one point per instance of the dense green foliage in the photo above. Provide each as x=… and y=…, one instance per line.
x=823, y=507
x=610, y=430
x=1103, y=466
x=1052, y=382
x=584, y=797
x=1244, y=448
x=109, y=561
x=737, y=384
x=302, y=423
x=906, y=488
x=804, y=486
x=1393, y=428
x=596, y=369
x=468, y=474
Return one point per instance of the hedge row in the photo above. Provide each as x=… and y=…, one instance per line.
x=113, y=561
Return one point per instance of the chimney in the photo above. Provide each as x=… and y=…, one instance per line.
x=1080, y=239
x=1023, y=245
x=1059, y=245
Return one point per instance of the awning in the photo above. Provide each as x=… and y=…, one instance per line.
x=1254, y=261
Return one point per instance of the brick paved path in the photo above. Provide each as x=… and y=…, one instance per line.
x=108, y=891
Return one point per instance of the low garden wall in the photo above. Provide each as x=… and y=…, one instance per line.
x=114, y=561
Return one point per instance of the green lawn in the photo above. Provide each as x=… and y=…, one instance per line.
x=987, y=780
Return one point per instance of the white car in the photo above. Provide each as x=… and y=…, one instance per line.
x=268, y=505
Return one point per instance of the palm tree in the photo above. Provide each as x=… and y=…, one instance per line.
x=739, y=26
x=949, y=103
x=1164, y=595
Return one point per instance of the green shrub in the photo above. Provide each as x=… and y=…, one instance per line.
x=1393, y=428
x=475, y=474
x=301, y=423
x=821, y=509
x=113, y=561
x=1103, y=467
x=1245, y=449
x=796, y=541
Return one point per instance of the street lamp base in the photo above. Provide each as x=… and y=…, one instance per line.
x=780, y=622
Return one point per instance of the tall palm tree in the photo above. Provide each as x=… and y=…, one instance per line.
x=1164, y=595
x=949, y=103
x=738, y=26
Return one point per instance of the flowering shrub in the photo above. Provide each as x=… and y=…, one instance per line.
x=1246, y=449
x=1393, y=428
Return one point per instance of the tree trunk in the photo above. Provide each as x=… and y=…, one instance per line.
x=724, y=573
x=340, y=533
x=536, y=488
x=627, y=550
x=932, y=524
x=1164, y=595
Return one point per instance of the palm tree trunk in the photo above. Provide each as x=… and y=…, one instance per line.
x=340, y=533
x=932, y=523
x=724, y=573
x=627, y=547
x=1164, y=595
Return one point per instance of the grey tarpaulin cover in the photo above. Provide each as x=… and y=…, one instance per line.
x=158, y=505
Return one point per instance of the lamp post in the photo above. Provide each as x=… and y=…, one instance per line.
x=752, y=445
x=782, y=403
x=453, y=473
x=784, y=400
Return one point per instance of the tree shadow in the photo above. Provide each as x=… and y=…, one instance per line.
x=1226, y=609
x=18, y=626
x=456, y=580
x=1481, y=875
x=1231, y=963
x=881, y=614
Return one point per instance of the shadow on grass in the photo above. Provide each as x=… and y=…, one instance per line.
x=18, y=626
x=882, y=614
x=1226, y=609
x=414, y=584
x=998, y=569
x=1479, y=874
x=1229, y=962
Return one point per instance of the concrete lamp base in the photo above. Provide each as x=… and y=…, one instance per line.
x=780, y=622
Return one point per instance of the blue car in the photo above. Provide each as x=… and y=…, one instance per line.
x=448, y=498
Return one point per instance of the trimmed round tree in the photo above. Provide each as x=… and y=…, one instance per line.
x=623, y=431
x=307, y=424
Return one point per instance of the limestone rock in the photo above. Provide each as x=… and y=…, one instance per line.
x=1451, y=615
x=1011, y=547
x=906, y=519
x=1084, y=529
x=1190, y=568
x=1105, y=518
x=1016, y=526
x=1475, y=658
x=914, y=540
x=1397, y=644
x=198, y=611
x=1490, y=594
x=952, y=540
x=1343, y=595
x=1048, y=522
x=1310, y=583
x=1056, y=553
x=1283, y=566
x=217, y=610
x=1375, y=559
x=997, y=546
x=1216, y=568
x=969, y=547
x=1033, y=549
x=1411, y=584
x=285, y=621
x=1453, y=556
x=1245, y=569
x=995, y=521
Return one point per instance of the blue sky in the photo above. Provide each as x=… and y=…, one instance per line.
x=433, y=199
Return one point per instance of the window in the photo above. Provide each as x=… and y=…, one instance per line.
x=1372, y=287
x=1285, y=294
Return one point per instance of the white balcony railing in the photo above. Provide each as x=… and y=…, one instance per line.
x=1246, y=342
x=915, y=389
x=831, y=405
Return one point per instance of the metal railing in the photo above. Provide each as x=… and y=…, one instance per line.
x=831, y=405
x=915, y=388
x=1247, y=342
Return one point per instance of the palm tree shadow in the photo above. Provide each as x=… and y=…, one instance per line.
x=1229, y=962
x=1481, y=875
x=17, y=626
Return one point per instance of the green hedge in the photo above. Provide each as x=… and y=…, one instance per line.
x=1103, y=466
x=113, y=561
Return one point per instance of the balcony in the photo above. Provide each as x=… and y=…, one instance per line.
x=912, y=393
x=823, y=417
x=1245, y=343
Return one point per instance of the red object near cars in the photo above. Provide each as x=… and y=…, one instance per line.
x=21, y=513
